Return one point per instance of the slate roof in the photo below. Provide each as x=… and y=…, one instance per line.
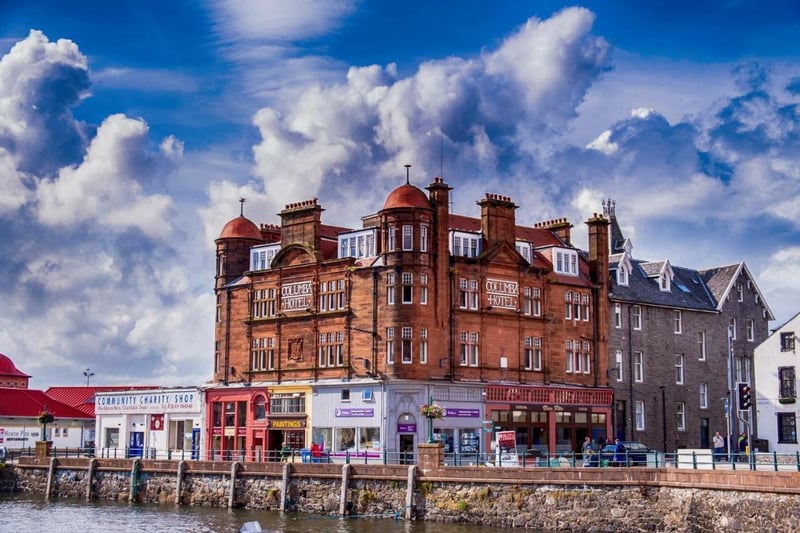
x=688, y=289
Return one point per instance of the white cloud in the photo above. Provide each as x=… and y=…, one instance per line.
x=475, y=115
x=40, y=81
x=107, y=186
x=279, y=20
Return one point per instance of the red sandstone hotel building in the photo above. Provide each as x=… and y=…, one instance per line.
x=338, y=336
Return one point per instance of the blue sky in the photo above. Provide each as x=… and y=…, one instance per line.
x=129, y=130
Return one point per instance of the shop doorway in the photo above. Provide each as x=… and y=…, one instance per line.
x=136, y=444
x=406, y=449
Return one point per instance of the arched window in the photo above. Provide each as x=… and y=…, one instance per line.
x=260, y=408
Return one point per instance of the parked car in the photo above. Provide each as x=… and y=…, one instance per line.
x=633, y=454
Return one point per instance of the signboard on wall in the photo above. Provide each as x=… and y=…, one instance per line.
x=156, y=402
x=156, y=422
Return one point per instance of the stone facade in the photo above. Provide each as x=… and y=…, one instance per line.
x=557, y=499
x=425, y=297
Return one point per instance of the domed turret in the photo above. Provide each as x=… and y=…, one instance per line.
x=10, y=375
x=233, y=247
x=240, y=228
x=406, y=195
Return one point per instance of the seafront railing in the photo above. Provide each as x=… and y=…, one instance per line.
x=697, y=459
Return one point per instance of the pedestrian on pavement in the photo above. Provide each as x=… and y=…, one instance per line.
x=719, y=446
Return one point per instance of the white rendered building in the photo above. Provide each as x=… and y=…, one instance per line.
x=776, y=362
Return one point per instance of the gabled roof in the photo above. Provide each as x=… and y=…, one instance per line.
x=721, y=281
x=82, y=398
x=29, y=403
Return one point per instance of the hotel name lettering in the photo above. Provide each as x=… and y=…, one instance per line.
x=297, y=296
x=502, y=294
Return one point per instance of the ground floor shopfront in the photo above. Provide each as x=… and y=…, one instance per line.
x=548, y=419
x=377, y=419
x=152, y=423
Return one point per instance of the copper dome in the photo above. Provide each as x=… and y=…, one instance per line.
x=240, y=228
x=406, y=196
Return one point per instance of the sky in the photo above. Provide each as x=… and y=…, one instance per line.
x=129, y=131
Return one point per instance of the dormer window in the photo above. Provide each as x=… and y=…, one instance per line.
x=624, y=270
x=464, y=244
x=357, y=244
x=524, y=249
x=622, y=275
x=665, y=277
x=261, y=256
x=565, y=262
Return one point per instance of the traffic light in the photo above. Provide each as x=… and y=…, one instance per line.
x=745, y=397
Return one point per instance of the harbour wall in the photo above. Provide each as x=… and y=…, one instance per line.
x=550, y=499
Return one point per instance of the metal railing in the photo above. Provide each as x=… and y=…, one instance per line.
x=690, y=459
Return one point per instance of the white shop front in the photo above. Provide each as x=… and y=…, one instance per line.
x=163, y=423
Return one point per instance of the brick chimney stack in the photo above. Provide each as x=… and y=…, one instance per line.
x=439, y=195
x=498, y=219
x=300, y=224
x=599, y=274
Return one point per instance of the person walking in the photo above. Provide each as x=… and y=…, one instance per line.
x=619, y=454
x=742, y=446
x=719, y=446
x=586, y=447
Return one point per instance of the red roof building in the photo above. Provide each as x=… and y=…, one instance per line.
x=10, y=375
x=82, y=398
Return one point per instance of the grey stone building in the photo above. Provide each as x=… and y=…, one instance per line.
x=679, y=340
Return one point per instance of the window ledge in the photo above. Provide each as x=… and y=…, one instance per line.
x=787, y=400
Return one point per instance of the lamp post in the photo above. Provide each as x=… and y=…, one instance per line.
x=430, y=422
x=664, y=416
x=88, y=373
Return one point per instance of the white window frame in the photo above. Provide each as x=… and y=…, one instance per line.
x=408, y=237
x=391, y=239
x=750, y=330
x=390, y=345
x=423, y=346
x=740, y=291
x=423, y=289
x=618, y=360
x=406, y=345
x=391, y=288
x=638, y=367
x=680, y=369
x=681, y=414
x=423, y=238
x=618, y=316
x=701, y=341
x=732, y=328
x=407, y=287
x=703, y=396
x=640, y=415
x=636, y=317
x=678, y=321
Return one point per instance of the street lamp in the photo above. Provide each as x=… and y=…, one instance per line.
x=664, y=416
x=88, y=373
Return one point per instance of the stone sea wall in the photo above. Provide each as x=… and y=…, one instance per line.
x=557, y=499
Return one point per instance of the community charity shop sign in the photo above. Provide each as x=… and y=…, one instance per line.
x=151, y=401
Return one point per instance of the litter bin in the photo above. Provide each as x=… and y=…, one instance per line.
x=305, y=455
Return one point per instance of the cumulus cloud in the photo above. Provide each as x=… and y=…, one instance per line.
x=476, y=117
x=107, y=185
x=110, y=288
x=40, y=82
